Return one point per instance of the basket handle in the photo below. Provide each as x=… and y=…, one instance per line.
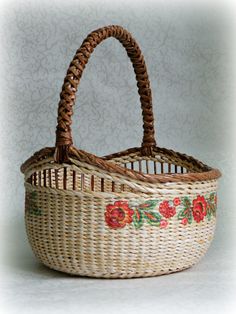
x=72, y=79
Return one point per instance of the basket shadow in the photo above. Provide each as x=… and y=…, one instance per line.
x=35, y=268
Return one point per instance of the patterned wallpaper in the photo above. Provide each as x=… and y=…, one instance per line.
x=186, y=51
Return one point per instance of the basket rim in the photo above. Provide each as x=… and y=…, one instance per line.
x=104, y=164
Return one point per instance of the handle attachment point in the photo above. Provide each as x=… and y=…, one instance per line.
x=62, y=153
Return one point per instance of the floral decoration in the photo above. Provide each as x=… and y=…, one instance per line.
x=159, y=213
x=167, y=210
x=118, y=215
x=199, y=208
x=176, y=201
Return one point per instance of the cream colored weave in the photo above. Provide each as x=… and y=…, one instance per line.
x=71, y=235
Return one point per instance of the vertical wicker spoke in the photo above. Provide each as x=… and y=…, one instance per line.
x=162, y=167
x=176, y=169
x=64, y=178
x=74, y=179
x=102, y=184
x=49, y=178
x=140, y=165
x=82, y=182
x=147, y=167
x=39, y=178
x=44, y=178
x=56, y=178
x=92, y=183
x=155, y=167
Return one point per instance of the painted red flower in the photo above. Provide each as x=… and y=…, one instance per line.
x=163, y=223
x=184, y=221
x=118, y=215
x=199, y=208
x=166, y=210
x=176, y=201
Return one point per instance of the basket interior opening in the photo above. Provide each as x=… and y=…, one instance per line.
x=67, y=179
x=154, y=167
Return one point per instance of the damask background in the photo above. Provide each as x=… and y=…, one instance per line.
x=187, y=51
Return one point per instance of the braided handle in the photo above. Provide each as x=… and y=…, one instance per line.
x=72, y=79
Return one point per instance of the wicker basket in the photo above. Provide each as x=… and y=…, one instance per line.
x=145, y=211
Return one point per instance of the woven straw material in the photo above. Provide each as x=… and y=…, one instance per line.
x=141, y=212
x=75, y=240
x=71, y=234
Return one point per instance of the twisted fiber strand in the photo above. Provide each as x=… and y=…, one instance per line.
x=126, y=195
x=159, y=158
x=162, y=159
x=173, y=188
x=207, y=173
x=72, y=80
x=162, y=178
x=165, y=153
x=192, y=191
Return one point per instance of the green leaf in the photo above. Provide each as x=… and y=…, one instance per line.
x=186, y=213
x=138, y=218
x=148, y=205
x=182, y=214
x=211, y=210
x=190, y=217
x=152, y=218
x=212, y=197
x=208, y=215
x=186, y=202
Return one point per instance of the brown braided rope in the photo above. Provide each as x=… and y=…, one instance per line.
x=72, y=80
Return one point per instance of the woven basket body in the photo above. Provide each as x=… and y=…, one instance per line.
x=141, y=212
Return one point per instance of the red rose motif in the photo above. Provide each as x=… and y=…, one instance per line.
x=118, y=215
x=176, y=201
x=199, y=208
x=166, y=210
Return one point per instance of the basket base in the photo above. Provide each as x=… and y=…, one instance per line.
x=124, y=275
